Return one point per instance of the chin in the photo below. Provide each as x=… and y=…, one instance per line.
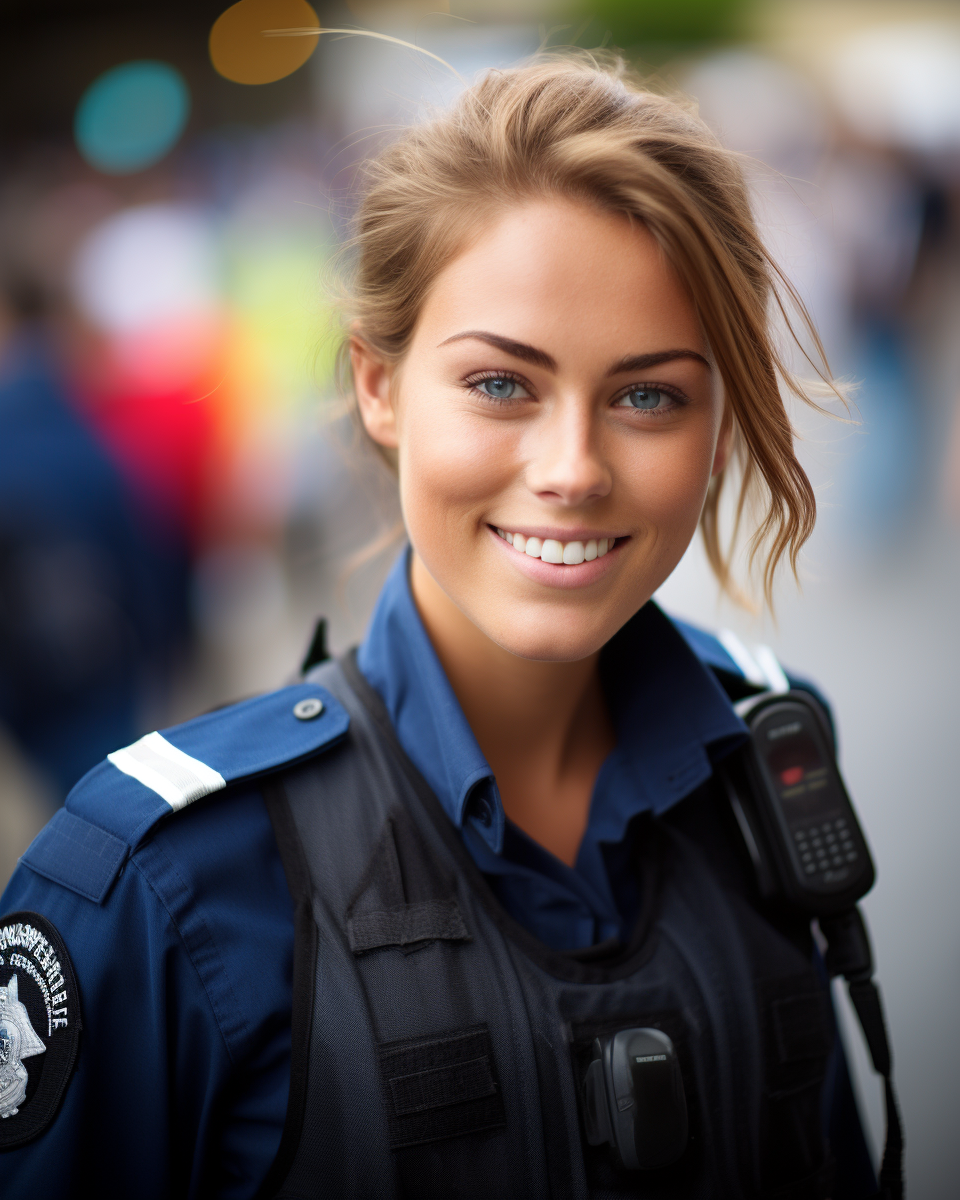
x=544, y=639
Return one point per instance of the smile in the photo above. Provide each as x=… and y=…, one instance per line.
x=549, y=550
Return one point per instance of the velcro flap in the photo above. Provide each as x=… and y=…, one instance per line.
x=440, y=1087
x=801, y=1027
x=77, y=855
x=407, y=924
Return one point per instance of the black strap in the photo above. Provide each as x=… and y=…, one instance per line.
x=304, y=977
x=866, y=1000
x=317, y=652
x=849, y=955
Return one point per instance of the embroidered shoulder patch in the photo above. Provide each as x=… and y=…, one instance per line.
x=39, y=1026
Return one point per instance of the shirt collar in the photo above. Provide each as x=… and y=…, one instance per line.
x=672, y=719
x=398, y=659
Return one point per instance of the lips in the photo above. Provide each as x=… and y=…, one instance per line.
x=551, y=550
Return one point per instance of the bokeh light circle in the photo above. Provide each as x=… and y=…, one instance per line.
x=146, y=264
x=131, y=116
x=242, y=52
x=901, y=84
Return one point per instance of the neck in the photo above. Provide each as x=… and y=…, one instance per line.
x=542, y=726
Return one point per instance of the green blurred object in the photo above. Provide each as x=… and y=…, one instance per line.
x=641, y=23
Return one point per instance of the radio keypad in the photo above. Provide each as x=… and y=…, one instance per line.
x=825, y=846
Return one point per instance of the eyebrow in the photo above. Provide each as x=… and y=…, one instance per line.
x=640, y=362
x=530, y=354
x=540, y=358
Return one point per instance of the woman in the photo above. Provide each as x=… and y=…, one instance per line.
x=465, y=857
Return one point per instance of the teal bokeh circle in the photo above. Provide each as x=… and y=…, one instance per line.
x=131, y=116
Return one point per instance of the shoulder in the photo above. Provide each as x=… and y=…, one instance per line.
x=143, y=788
x=161, y=887
x=164, y=856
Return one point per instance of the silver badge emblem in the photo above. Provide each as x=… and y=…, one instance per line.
x=17, y=1042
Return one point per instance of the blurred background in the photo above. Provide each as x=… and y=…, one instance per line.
x=181, y=493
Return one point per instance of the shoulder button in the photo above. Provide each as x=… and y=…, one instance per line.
x=307, y=710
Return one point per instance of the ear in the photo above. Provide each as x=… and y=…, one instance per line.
x=372, y=377
x=724, y=442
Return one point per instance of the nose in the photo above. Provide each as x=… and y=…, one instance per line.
x=566, y=463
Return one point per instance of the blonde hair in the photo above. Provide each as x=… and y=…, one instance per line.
x=571, y=127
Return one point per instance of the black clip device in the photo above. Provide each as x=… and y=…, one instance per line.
x=634, y=1099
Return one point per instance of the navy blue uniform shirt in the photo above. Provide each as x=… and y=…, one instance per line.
x=183, y=955
x=672, y=723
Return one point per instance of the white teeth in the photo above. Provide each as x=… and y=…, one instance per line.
x=551, y=550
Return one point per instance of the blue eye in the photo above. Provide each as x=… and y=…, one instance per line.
x=499, y=388
x=644, y=399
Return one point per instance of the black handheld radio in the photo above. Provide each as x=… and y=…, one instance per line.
x=809, y=853
x=793, y=810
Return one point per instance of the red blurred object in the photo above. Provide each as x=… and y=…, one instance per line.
x=791, y=776
x=151, y=401
x=162, y=443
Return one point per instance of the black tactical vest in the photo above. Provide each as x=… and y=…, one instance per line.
x=439, y=1049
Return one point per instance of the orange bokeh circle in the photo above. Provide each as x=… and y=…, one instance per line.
x=241, y=51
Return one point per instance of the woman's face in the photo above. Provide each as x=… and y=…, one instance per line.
x=558, y=399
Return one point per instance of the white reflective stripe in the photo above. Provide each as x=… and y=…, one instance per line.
x=742, y=657
x=770, y=666
x=160, y=766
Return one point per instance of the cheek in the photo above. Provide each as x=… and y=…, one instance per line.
x=668, y=477
x=451, y=466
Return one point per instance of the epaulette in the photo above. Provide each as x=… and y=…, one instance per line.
x=708, y=648
x=115, y=805
x=744, y=671
x=726, y=653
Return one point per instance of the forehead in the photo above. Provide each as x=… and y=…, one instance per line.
x=568, y=277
